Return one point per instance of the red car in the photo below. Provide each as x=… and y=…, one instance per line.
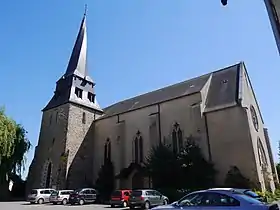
x=120, y=198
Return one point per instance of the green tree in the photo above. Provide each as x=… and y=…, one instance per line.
x=13, y=147
x=196, y=171
x=186, y=170
x=7, y=137
x=163, y=167
x=105, y=183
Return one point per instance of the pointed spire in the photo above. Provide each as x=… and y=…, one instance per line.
x=78, y=61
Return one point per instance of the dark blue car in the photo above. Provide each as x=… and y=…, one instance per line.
x=213, y=199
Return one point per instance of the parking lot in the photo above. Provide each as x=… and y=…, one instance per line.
x=25, y=205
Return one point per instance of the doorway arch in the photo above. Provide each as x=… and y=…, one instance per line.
x=137, y=181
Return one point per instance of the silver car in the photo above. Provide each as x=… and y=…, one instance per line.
x=146, y=198
x=40, y=196
x=60, y=197
x=217, y=200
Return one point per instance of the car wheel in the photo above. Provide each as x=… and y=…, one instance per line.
x=165, y=202
x=147, y=205
x=64, y=201
x=81, y=202
x=125, y=204
x=41, y=201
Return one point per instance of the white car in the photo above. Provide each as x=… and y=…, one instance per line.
x=40, y=196
x=60, y=196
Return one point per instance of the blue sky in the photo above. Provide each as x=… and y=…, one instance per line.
x=130, y=43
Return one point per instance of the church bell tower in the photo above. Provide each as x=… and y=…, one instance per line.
x=62, y=159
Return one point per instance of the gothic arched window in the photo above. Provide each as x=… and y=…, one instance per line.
x=138, y=148
x=254, y=118
x=261, y=154
x=177, y=138
x=107, y=150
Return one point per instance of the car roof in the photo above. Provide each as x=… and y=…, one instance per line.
x=142, y=189
x=221, y=188
x=217, y=190
x=123, y=190
x=228, y=188
x=86, y=188
x=64, y=190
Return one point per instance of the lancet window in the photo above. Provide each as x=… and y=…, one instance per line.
x=138, y=148
x=261, y=154
x=107, y=150
x=177, y=138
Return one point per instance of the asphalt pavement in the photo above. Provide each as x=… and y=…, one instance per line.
x=26, y=205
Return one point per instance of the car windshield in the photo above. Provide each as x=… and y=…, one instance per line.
x=251, y=193
x=77, y=191
x=248, y=199
x=187, y=199
x=136, y=193
x=117, y=193
x=54, y=193
x=33, y=192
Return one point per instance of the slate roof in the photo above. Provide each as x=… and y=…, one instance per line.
x=63, y=88
x=78, y=61
x=77, y=66
x=224, y=87
x=223, y=90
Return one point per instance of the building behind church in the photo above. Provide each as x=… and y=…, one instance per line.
x=219, y=110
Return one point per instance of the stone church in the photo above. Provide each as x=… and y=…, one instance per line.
x=219, y=110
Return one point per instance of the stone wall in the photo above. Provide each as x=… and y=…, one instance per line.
x=79, y=144
x=51, y=145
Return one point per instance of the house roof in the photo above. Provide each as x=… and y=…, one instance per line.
x=223, y=90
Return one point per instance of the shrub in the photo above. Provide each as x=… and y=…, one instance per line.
x=236, y=179
x=105, y=183
x=171, y=171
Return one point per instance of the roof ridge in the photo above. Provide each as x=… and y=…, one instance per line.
x=173, y=85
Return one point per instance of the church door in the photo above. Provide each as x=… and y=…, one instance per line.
x=137, y=181
x=48, y=179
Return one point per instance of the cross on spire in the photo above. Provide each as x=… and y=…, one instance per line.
x=85, y=13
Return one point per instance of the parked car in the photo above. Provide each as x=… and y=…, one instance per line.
x=244, y=191
x=218, y=200
x=120, y=198
x=146, y=198
x=40, y=196
x=82, y=196
x=60, y=196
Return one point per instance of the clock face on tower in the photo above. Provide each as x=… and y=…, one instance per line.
x=254, y=118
